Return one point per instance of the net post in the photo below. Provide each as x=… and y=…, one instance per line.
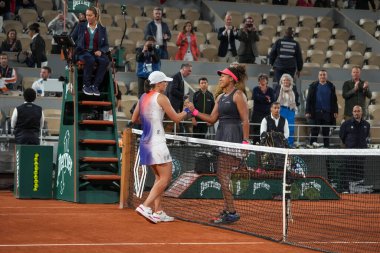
x=285, y=193
x=125, y=167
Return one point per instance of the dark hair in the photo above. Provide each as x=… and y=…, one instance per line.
x=148, y=86
x=275, y=103
x=93, y=9
x=29, y=95
x=150, y=38
x=47, y=68
x=289, y=32
x=157, y=9
x=202, y=79
x=184, y=27
x=261, y=75
x=240, y=72
x=35, y=27
x=185, y=65
x=11, y=30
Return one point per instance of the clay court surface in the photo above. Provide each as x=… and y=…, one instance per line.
x=57, y=226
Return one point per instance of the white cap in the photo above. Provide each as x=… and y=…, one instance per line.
x=158, y=76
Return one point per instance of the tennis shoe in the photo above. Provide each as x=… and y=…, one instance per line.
x=88, y=90
x=146, y=212
x=95, y=91
x=162, y=217
x=226, y=217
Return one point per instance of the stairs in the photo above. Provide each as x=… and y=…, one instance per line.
x=88, y=153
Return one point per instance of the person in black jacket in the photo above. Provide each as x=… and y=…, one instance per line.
x=37, y=47
x=227, y=34
x=176, y=88
x=321, y=107
x=204, y=102
x=248, y=37
x=286, y=56
x=27, y=120
x=354, y=133
x=363, y=5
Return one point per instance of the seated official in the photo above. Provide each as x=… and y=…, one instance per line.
x=91, y=46
x=27, y=120
x=274, y=122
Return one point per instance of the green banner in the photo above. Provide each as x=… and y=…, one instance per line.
x=78, y=6
x=34, y=166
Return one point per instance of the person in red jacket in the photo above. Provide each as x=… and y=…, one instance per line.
x=187, y=44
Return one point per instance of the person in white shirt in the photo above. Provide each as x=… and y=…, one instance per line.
x=38, y=85
x=274, y=122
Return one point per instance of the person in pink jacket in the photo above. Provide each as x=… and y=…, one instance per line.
x=187, y=44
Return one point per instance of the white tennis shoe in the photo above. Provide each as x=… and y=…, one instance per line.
x=162, y=217
x=146, y=212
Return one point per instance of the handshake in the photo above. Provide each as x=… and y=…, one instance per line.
x=189, y=108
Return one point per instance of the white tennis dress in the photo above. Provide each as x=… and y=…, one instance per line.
x=153, y=149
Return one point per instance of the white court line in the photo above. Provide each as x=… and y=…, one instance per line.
x=128, y=244
x=338, y=242
x=55, y=214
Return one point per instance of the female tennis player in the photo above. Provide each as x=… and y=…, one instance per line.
x=150, y=112
x=231, y=109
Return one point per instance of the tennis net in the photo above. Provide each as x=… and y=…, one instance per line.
x=323, y=199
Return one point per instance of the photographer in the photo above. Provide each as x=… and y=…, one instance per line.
x=148, y=60
x=248, y=36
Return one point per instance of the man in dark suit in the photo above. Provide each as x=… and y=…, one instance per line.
x=91, y=46
x=153, y=28
x=176, y=88
x=37, y=47
x=248, y=36
x=226, y=35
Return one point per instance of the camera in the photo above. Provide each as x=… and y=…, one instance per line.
x=150, y=47
x=249, y=25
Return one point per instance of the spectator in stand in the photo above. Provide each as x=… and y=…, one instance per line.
x=227, y=34
x=279, y=2
x=322, y=3
x=355, y=92
x=7, y=9
x=248, y=36
x=321, y=108
x=38, y=85
x=56, y=27
x=287, y=96
x=11, y=43
x=305, y=3
x=286, y=56
x=160, y=31
x=363, y=5
x=25, y=4
x=81, y=18
x=187, y=44
x=354, y=133
x=92, y=46
x=8, y=75
x=204, y=102
x=27, y=120
x=263, y=97
x=37, y=47
x=148, y=60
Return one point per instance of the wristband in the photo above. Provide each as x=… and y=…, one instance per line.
x=187, y=110
x=245, y=142
x=195, y=112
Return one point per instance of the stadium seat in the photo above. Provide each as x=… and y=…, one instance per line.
x=134, y=10
x=27, y=15
x=27, y=82
x=126, y=106
x=129, y=45
x=209, y=51
x=169, y=22
x=267, y=30
x=130, y=60
x=372, y=58
x=257, y=17
x=331, y=65
x=172, y=12
x=141, y=22
x=114, y=33
x=355, y=58
x=191, y=14
x=43, y=5
x=338, y=45
x=203, y=26
x=281, y=30
x=311, y=65
x=179, y=24
x=357, y=46
x=304, y=32
x=271, y=19
x=48, y=39
x=264, y=45
x=172, y=49
x=340, y=34
x=237, y=18
x=322, y=33
x=319, y=44
x=371, y=67
x=121, y=19
x=148, y=10
x=212, y=38
x=106, y=19
x=325, y=22
x=289, y=20
x=336, y=57
x=112, y=8
x=348, y=66
x=304, y=43
x=12, y=24
x=307, y=21
x=49, y=15
x=135, y=34
x=201, y=38
x=316, y=56
x=174, y=36
x=368, y=24
x=25, y=41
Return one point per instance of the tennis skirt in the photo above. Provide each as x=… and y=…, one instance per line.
x=157, y=153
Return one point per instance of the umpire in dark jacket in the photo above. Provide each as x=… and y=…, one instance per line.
x=27, y=120
x=286, y=56
x=321, y=107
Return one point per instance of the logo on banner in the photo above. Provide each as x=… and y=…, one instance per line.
x=65, y=164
